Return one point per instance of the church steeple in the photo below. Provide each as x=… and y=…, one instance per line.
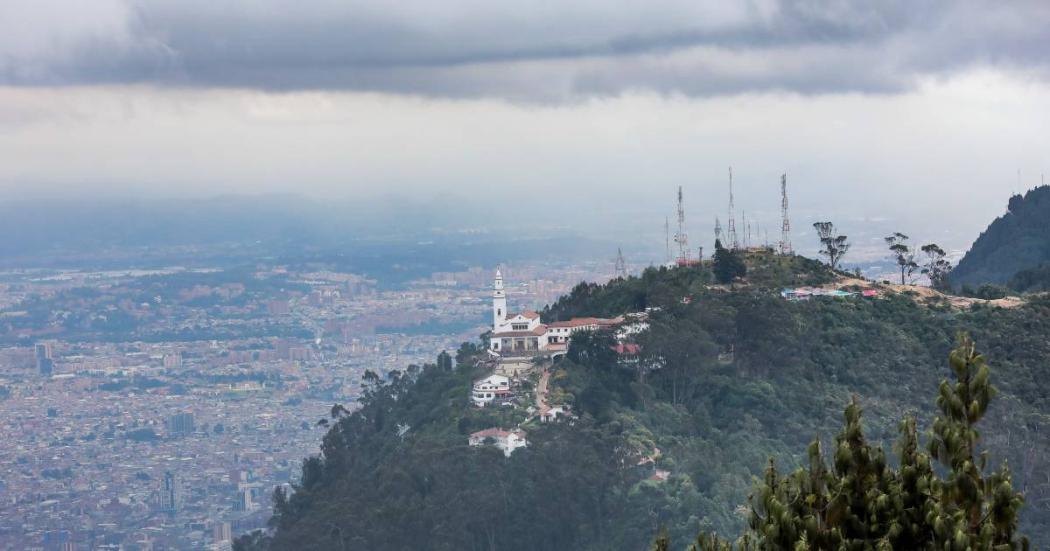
x=499, y=302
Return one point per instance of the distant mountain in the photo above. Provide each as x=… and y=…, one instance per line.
x=1017, y=241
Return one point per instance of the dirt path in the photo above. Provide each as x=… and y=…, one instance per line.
x=541, y=392
x=922, y=293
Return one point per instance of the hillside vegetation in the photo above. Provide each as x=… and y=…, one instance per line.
x=727, y=377
x=1015, y=242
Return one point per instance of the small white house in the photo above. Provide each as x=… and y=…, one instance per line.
x=553, y=413
x=506, y=440
x=490, y=388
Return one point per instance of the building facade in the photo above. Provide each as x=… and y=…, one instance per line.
x=489, y=389
x=524, y=334
x=506, y=440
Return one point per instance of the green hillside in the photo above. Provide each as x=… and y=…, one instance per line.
x=1015, y=242
x=726, y=378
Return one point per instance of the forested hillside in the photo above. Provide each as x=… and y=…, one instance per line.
x=726, y=378
x=1018, y=240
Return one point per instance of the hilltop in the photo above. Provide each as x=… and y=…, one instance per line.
x=1015, y=243
x=673, y=432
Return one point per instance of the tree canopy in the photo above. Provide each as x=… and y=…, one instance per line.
x=674, y=435
x=728, y=266
x=1018, y=240
x=832, y=245
x=859, y=501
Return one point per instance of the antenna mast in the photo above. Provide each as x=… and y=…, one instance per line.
x=731, y=232
x=747, y=230
x=785, y=228
x=667, y=239
x=621, y=264
x=681, y=238
x=718, y=229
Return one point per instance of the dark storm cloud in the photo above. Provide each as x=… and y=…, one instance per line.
x=518, y=50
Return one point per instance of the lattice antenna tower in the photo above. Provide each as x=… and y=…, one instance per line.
x=621, y=264
x=785, y=225
x=718, y=229
x=731, y=231
x=681, y=238
x=747, y=230
x=667, y=239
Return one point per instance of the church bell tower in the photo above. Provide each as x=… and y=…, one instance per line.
x=499, y=302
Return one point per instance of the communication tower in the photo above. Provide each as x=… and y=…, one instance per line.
x=731, y=239
x=681, y=238
x=785, y=228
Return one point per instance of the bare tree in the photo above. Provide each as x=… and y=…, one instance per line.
x=904, y=255
x=832, y=246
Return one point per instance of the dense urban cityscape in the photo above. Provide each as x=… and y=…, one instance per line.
x=158, y=409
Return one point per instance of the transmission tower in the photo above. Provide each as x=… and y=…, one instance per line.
x=747, y=230
x=731, y=232
x=667, y=239
x=681, y=238
x=621, y=264
x=785, y=228
x=718, y=229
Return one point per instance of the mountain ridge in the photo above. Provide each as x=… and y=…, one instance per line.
x=1016, y=241
x=724, y=381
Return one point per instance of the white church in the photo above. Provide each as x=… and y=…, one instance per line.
x=523, y=334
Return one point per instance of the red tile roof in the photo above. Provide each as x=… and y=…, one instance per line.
x=580, y=322
x=537, y=332
x=629, y=349
x=496, y=433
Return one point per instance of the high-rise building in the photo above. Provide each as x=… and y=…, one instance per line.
x=180, y=424
x=245, y=498
x=278, y=307
x=221, y=532
x=172, y=361
x=170, y=494
x=45, y=362
x=57, y=540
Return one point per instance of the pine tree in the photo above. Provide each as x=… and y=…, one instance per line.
x=728, y=264
x=861, y=503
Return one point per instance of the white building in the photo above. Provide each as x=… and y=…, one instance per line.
x=523, y=334
x=490, y=388
x=552, y=413
x=506, y=440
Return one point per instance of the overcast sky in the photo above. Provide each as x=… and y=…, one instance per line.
x=906, y=110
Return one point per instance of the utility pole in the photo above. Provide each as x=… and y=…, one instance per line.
x=731, y=232
x=785, y=225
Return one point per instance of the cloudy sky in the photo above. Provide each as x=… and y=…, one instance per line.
x=918, y=111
